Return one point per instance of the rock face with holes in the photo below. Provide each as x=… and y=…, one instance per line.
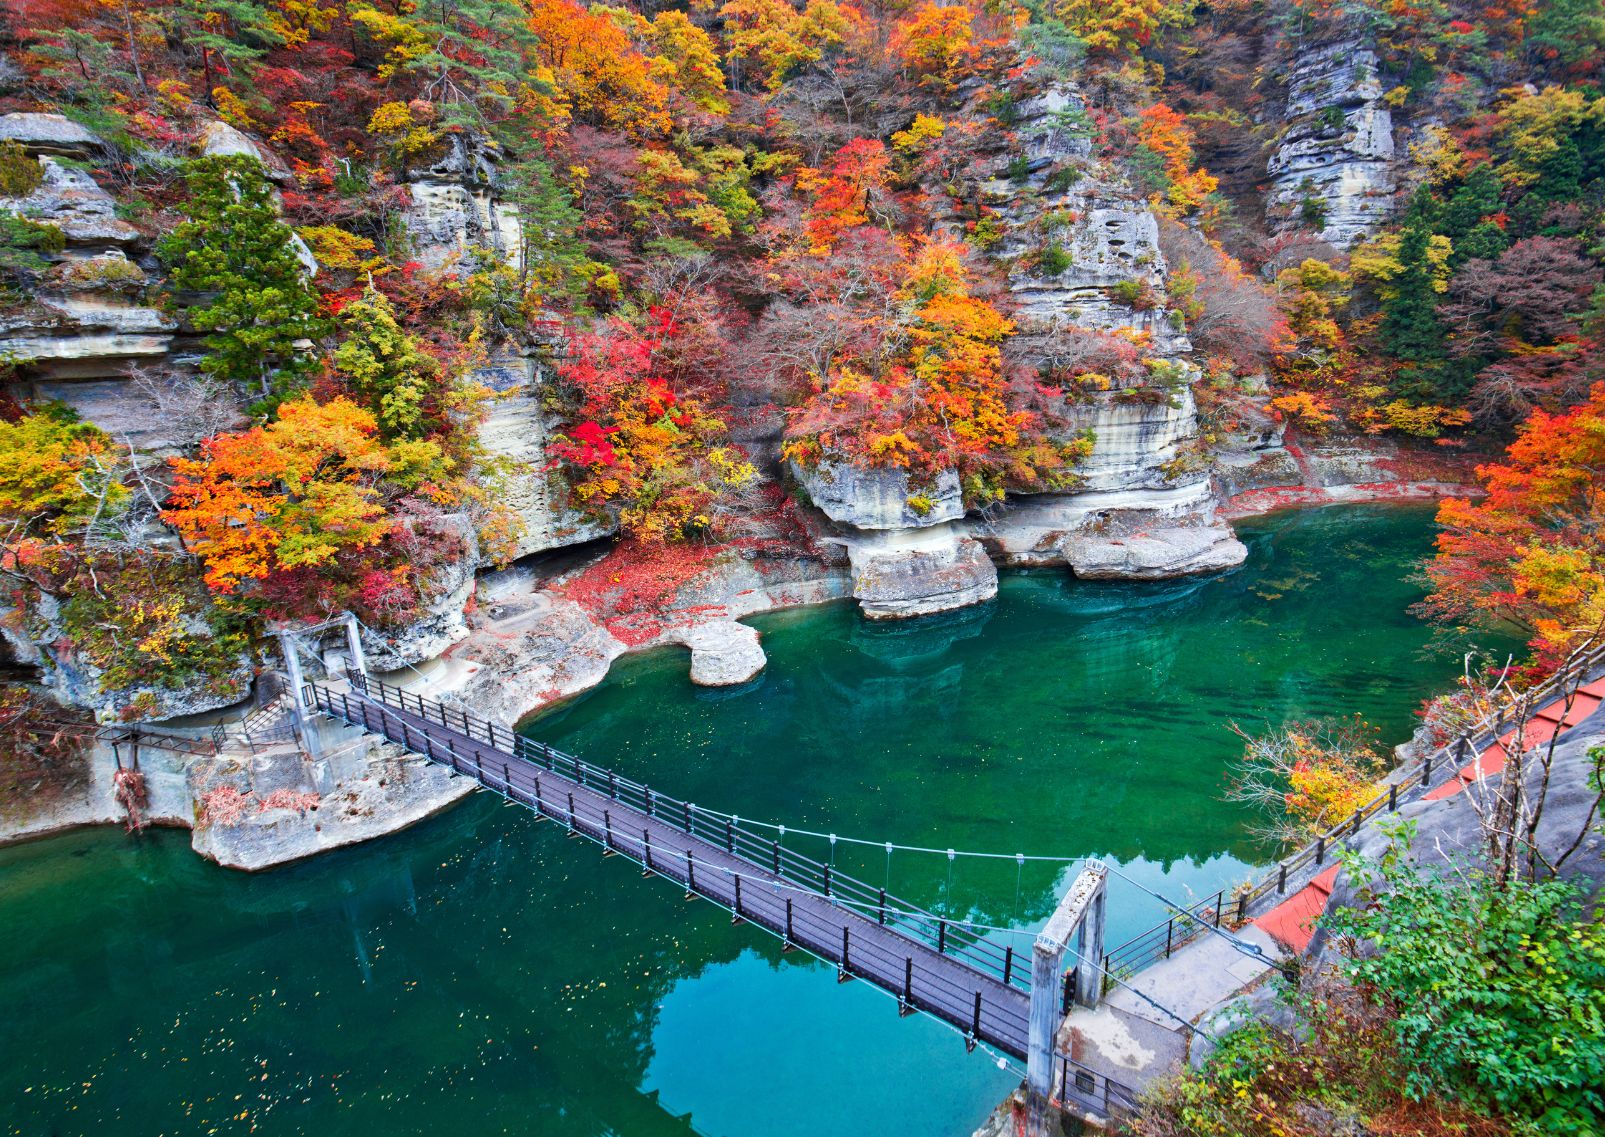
x=1109, y=273
x=453, y=206
x=1333, y=171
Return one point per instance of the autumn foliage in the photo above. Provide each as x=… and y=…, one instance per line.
x=640, y=450
x=1530, y=551
x=290, y=494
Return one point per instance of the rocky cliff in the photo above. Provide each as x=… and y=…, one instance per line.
x=1084, y=252
x=1333, y=168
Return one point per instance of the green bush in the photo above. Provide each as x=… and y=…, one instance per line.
x=1500, y=992
x=988, y=232
x=20, y=175
x=1062, y=179
x=1053, y=260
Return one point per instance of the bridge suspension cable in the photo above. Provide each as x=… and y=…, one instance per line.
x=779, y=886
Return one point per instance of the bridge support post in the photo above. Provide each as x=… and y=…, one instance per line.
x=359, y=661
x=300, y=713
x=1079, y=918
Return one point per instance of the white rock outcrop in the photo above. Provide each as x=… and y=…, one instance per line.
x=50, y=134
x=220, y=140
x=908, y=555
x=518, y=429
x=85, y=320
x=1136, y=441
x=1155, y=554
x=723, y=652
x=901, y=573
x=1337, y=151
x=453, y=207
x=881, y=499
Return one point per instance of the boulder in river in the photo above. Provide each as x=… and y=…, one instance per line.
x=723, y=653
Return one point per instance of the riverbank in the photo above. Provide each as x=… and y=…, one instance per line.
x=538, y=636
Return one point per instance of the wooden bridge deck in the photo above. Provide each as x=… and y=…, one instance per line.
x=928, y=963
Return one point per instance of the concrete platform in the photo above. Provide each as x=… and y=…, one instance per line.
x=1139, y=1043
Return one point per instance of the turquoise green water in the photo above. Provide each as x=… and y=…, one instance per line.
x=479, y=974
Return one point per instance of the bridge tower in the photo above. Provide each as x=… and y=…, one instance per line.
x=1079, y=919
x=291, y=647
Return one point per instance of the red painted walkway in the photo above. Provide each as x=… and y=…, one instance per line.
x=1549, y=721
x=1292, y=922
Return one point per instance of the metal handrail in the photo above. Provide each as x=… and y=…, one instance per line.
x=1163, y=939
x=946, y=936
x=1083, y=1086
x=1487, y=731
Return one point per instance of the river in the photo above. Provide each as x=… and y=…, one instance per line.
x=480, y=974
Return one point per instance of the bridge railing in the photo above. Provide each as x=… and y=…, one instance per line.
x=763, y=851
x=1164, y=938
x=1083, y=1087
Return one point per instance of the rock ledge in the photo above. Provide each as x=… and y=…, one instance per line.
x=1155, y=554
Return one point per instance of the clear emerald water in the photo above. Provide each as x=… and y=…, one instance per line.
x=480, y=974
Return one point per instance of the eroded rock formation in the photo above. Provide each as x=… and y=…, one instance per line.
x=1333, y=169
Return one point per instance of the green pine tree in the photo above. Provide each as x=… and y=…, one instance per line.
x=1479, y=196
x=385, y=366
x=1411, y=331
x=258, y=305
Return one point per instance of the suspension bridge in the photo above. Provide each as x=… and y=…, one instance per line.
x=1010, y=1003
x=1006, y=1001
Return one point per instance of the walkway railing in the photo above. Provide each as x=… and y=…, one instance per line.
x=1164, y=938
x=949, y=937
x=1085, y=1088
x=1417, y=778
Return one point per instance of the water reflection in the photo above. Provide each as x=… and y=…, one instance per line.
x=481, y=974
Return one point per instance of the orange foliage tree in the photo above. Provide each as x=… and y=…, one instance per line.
x=596, y=71
x=1531, y=551
x=1166, y=133
x=936, y=41
x=289, y=494
x=780, y=40
x=926, y=391
x=847, y=192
